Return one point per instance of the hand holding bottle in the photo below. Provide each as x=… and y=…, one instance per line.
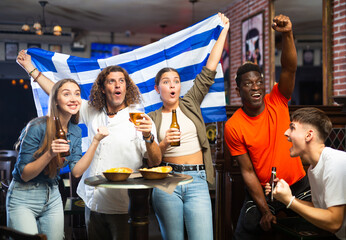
x=172, y=135
x=282, y=192
x=60, y=146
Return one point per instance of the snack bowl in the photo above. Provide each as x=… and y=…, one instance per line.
x=156, y=172
x=117, y=174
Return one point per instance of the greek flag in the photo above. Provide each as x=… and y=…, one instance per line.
x=187, y=51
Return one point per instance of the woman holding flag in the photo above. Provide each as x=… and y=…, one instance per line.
x=190, y=203
x=33, y=201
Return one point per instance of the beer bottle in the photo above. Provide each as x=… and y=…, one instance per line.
x=60, y=134
x=175, y=124
x=272, y=183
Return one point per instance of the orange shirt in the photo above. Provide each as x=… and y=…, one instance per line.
x=262, y=137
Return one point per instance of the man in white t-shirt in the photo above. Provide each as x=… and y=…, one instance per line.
x=106, y=210
x=308, y=130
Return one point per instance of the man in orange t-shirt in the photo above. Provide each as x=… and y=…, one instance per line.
x=255, y=138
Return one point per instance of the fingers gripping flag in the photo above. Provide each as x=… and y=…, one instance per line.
x=187, y=51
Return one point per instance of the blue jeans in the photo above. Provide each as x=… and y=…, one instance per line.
x=35, y=208
x=190, y=203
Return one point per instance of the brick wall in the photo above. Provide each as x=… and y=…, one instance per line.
x=339, y=47
x=238, y=12
x=243, y=9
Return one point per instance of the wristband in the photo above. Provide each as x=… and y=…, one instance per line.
x=288, y=206
x=39, y=74
x=150, y=140
x=32, y=71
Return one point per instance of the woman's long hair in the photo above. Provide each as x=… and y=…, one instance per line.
x=98, y=98
x=53, y=110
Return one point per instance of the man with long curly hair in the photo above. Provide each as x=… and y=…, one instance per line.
x=106, y=210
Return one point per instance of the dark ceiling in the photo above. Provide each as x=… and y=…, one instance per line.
x=146, y=16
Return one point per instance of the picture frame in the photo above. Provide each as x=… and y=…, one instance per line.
x=11, y=50
x=34, y=45
x=253, y=39
x=308, y=57
x=55, y=48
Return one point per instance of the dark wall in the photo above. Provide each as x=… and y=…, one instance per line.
x=308, y=87
x=17, y=105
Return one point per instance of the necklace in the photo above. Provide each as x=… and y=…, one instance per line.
x=112, y=113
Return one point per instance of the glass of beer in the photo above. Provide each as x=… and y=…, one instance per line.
x=136, y=110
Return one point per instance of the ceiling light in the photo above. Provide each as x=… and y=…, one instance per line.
x=37, y=26
x=39, y=32
x=26, y=27
x=40, y=26
x=57, y=30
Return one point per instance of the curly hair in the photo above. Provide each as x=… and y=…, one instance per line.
x=97, y=98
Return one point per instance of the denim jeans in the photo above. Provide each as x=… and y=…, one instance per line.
x=190, y=203
x=35, y=208
x=101, y=226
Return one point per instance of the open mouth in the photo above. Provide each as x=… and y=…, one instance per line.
x=172, y=94
x=117, y=93
x=256, y=95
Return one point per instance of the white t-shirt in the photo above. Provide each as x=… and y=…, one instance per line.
x=118, y=149
x=328, y=182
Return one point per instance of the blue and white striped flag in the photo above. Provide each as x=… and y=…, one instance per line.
x=187, y=51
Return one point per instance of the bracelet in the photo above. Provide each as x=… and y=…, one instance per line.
x=39, y=74
x=148, y=136
x=150, y=140
x=288, y=206
x=32, y=71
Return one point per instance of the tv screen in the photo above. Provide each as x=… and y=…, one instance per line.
x=105, y=50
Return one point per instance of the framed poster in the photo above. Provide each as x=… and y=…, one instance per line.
x=308, y=57
x=252, y=39
x=11, y=51
x=55, y=48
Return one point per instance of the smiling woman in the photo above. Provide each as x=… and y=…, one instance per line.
x=39, y=160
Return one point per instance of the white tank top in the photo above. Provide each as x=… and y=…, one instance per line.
x=189, y=143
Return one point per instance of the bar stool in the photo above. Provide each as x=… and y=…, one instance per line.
x=74, y=211
x=9, y=155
